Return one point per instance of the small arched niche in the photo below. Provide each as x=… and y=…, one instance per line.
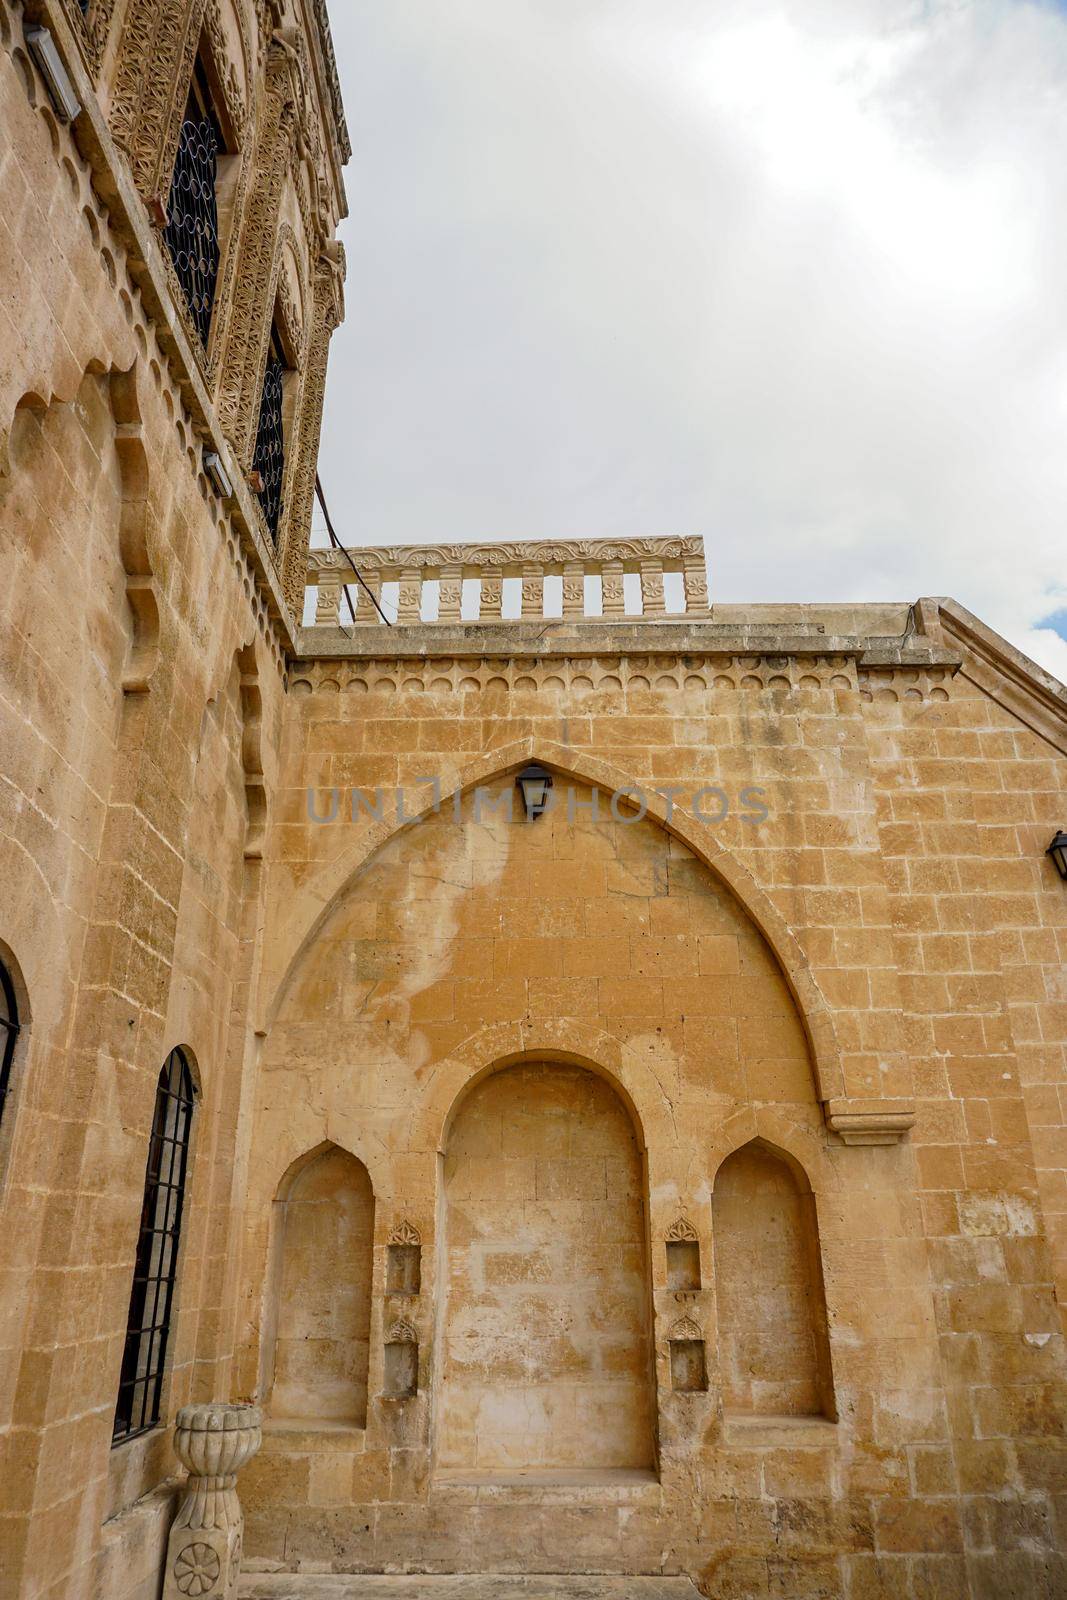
x=774, y=1352
x=324, y=1254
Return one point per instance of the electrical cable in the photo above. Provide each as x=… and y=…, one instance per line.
x=335, y=541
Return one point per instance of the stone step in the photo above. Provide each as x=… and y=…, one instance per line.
x=480, y=1586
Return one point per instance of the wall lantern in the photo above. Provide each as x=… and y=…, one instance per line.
x=61, y=91
x=533, y=783
x=1058, y=851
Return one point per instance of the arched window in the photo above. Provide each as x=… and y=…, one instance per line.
x=152, y=1296
x=192, y=232
x=9, y=1031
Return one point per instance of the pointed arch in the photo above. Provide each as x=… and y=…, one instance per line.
x=316, y=1344
x=531, y=1254
x=314, y=904
x=774, y=1348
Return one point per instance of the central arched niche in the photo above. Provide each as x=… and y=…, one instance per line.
x=546, y=1361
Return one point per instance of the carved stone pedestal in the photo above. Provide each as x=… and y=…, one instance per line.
x=204, y=1554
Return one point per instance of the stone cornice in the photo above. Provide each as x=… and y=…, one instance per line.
x=1010, y=678
x=630, y=636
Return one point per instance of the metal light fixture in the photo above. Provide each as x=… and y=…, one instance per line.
x=217, y=473
x=1058, y=851
x=534, y=783
x=55, y=75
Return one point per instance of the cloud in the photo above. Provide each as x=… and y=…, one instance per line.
x=788, y=274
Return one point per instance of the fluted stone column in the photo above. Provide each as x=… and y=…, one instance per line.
x=204, y=1553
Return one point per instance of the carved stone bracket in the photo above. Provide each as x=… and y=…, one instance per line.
x=213, y=1443
x=859, y=1122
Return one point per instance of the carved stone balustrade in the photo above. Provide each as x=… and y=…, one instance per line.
x=413, y=567
x=213, y=1443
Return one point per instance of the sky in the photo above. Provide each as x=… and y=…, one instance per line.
x=791, y=276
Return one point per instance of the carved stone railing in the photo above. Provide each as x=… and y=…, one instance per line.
x=413, y=567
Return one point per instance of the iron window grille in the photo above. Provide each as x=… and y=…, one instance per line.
x=192, y=231
x=9, y=1031
x=269, y=456
x=155, y=1270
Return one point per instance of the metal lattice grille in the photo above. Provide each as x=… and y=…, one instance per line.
x=9, y=1031
x=192, y=232
x=269, y=458
x=152, y=1296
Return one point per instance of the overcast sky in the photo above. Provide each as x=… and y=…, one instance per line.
x=789, y=275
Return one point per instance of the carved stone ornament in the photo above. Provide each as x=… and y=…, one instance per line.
x=333, y=79
x=685, y=1328
x=213, y=1443
x=91, y=25
x=546, y=552
x=401, y=1332
x=405, y=1233
x=682, y=1231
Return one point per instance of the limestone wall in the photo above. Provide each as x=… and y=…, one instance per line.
x=141, y=682
x=880, y=1337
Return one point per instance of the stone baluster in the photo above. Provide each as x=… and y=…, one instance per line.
x=328, y=601
x=533, y=589
x=695, y=579
x=652, y=603
x=614, y=591
x=213, y=1443
x=450, y=594
x=492, y=594
x=574, y=589
x=410, y=606
x=373, y=581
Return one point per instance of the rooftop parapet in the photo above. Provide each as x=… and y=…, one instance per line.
x=413, y=568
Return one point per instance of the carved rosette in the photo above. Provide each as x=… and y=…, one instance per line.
x=213, y=1443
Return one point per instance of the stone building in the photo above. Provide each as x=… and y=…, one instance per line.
x=587, y=1064
x=169, y=283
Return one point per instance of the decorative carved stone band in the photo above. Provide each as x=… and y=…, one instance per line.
x=204, y=1553
x=412, y=567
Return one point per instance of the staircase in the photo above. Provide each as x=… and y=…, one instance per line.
x=482, y=1586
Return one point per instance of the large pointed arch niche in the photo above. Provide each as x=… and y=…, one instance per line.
x=371, y=839
x=471, y=917
x=545, y=1358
